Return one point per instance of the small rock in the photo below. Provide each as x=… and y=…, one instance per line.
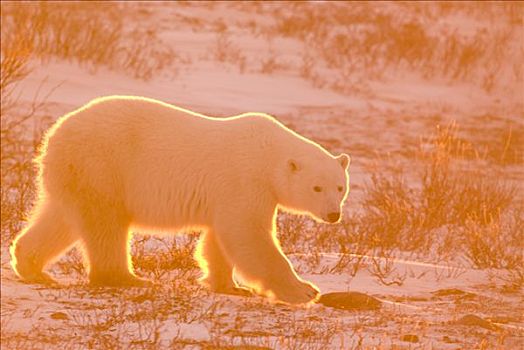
x=449, y=291
x=59, y=316
x=502, y=319
x=473, y=320
x=412, y=338
x=453, y=292
x=447, y=339
x=350, y=301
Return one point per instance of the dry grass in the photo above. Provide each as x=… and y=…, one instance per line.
x=16, y=150
x=364, y=37
x=445, y=202
x=90, y=33
x=224, y=50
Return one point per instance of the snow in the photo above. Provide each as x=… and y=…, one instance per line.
x=204, y=89
x=343, y=121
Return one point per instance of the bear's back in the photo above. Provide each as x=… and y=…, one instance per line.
x=133, y=139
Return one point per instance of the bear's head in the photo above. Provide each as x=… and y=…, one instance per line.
x=315, y=183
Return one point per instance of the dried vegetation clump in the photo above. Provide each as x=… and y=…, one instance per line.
x=374, y=40
x=447, y=202
x=92, y=34
x=16, y=149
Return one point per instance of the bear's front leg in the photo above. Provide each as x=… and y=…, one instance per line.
x=249, y=245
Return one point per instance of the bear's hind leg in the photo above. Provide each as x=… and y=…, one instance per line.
x=218, y=272
x=106, y=243
x=45, y=238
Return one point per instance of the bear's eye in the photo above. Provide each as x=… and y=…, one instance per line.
x=340, y=188
x=317, y=189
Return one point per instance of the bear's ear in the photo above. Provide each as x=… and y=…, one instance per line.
x=293, y=165
x=344, y=160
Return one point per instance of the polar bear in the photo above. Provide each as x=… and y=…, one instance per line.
x=122, y=161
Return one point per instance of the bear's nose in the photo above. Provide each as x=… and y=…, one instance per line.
x=333, y=217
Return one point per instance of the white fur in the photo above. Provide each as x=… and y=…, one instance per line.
x=121, y=162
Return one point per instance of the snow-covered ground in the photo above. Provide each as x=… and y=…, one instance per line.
x=429, y=304
x=382, y=116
